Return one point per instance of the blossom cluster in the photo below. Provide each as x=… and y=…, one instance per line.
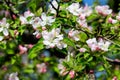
x=54, y=32
x=98, y=45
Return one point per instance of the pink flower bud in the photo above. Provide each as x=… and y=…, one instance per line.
x=82, y=17
x=16, y=32
x=82, y=49
x=22, y=49
x=30, y=45
x=4, y=68
x=72, y=74
x=110, y=20
x=14, y=17
x=43, y=28
x=38, y=36
x=114, y=78
x=43, y=70
x=91, y=72
x=70, y=33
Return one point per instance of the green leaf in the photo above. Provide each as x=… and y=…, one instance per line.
x=35, y=50
x=101, y=68
x=28, y=70
x=39, y=11
x=92, y=17
x=86, y=55
x=69, y=42
x=83, y=36
x=10, y=51
x=78, y=0
x=13, y=60
x=90, y=59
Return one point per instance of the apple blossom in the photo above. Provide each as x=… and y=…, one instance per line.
x=104, y=45
x=103, y=10
x=13, y=76
x=82, y=23
x=4, y=26
x=113, y=21
x=92, y=43
x=37, y=34
x=74, y=34
x=74, y=8
x=87, y=11
x=98, y=45
x=82, y=49
x=77, y=10
x=42, y=68
x=23, y=18
x=35, y=22
x=46, y=20
x=55, y=4
x=53, y=38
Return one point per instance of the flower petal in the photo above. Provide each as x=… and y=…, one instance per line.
x=1, y=38
x=5, y=32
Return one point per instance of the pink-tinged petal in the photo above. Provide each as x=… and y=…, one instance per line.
x=22, y=49
x=72, y=74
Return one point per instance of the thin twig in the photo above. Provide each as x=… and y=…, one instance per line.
x=10, y=10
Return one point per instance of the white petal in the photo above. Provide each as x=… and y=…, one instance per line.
x=1, y=38
x=46, y=43
x=43, y=16
x=23, y=20
x=5, y=32
x=1, y=29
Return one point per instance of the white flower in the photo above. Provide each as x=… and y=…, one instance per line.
x=104, y=45
x=55, y=4
x=36, y=22
x=53, y=38
x=28, y=14
x=87, y=10
x=98, y=45
x=46, y=20
x=74, y=8
x=4, y=27
x=23, y=18
x=13, y=76
x=74, y=34
x=82, y=23
x=103, y=10
x=92, y=43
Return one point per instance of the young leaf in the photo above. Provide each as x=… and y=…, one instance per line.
x=35, y=50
